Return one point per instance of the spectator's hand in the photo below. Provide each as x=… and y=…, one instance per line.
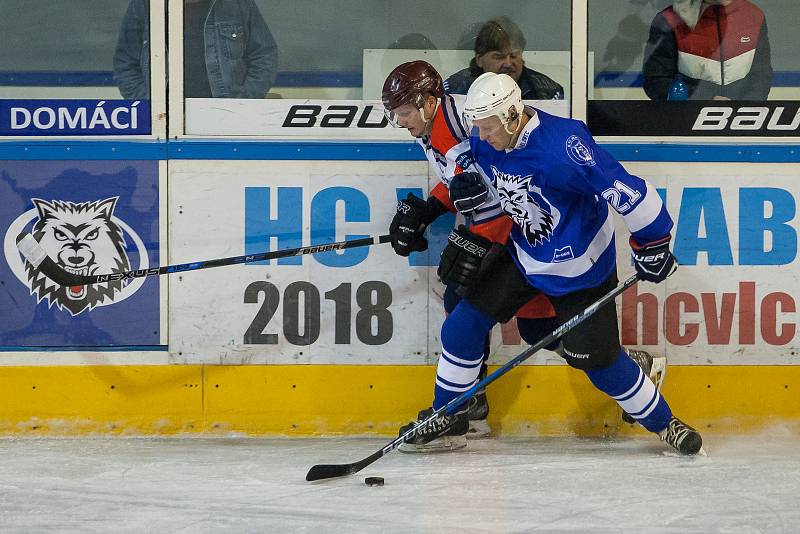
x=718, y=97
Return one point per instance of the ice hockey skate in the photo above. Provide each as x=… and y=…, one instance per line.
x=685, y=439
x=654, y=367
x=442, y=434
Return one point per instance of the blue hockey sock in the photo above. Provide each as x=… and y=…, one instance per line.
x=626, y=383
x=463, y=335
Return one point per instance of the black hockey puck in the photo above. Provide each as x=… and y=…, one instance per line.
x=373, y=481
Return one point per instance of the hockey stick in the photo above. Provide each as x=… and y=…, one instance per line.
x=323, y=471
x=36, y=256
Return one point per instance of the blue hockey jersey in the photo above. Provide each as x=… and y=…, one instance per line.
x=557, y=185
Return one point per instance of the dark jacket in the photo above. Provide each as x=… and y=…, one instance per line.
x=241, y=54
x=534, y=85
x=725, y=54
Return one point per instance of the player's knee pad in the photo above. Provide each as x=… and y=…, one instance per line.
x=586, y=361
x=594, y=343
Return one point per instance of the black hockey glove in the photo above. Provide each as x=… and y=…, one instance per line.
x=462, y=257
x=409, y=223
x=468, y=191
x=653, y=261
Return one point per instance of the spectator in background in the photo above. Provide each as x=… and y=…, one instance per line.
x=498, y=48
x=718, y=48
x=132, y=55
x=229, y=51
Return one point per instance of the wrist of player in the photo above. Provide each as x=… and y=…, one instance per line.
x=653, y=261
x=434, y=208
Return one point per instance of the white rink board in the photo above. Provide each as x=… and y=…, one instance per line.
x=208, y=313
x=728, y=306
x=719, y=308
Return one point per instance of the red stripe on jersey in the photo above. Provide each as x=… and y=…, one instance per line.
x=442, y=139
x=442, y=194
x=497, y=230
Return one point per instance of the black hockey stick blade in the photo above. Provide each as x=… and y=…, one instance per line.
x=35, y=255
x=323, y=471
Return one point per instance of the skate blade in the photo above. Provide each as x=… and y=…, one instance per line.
x=478, y=429
x=443, y=444
x=676, y=454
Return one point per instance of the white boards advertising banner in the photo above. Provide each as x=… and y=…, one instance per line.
x=360, y=305
x=732, y=301
x=299, y=119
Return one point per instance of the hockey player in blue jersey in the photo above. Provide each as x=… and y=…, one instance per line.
x=557, y=185
x=414, y=99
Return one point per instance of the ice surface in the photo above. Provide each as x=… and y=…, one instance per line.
x=234, y=484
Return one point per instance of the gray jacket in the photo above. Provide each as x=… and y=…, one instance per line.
x=242, y=59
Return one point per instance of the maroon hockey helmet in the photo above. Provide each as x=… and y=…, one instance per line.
x=409, y=83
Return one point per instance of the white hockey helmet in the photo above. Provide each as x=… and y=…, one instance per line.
x=493, y=95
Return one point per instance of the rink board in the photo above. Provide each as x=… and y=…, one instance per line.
x=302, y=400
x=732, y=302
x=345, y=342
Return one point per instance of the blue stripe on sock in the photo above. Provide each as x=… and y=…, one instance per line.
x=634, y=391
x=460, y=364
x=453, y=384
x=463, y=334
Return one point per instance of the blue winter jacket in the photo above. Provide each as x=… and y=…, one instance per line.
x=241, y=61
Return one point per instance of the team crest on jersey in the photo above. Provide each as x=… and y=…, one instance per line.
x=464, y=160
x=82, y=238
x=527, y=206
x=579, y=152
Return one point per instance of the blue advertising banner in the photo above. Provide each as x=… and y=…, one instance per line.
x=91, y=217
x=74, y=117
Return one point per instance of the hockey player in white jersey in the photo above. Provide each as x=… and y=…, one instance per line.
x=557, y=185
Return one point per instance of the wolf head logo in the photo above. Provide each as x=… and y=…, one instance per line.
x=526, y=206
x=82, y=239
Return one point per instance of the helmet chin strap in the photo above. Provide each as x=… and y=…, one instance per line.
x=516, y=131
x=425, y=120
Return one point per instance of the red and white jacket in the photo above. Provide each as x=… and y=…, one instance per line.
x=725, y=53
